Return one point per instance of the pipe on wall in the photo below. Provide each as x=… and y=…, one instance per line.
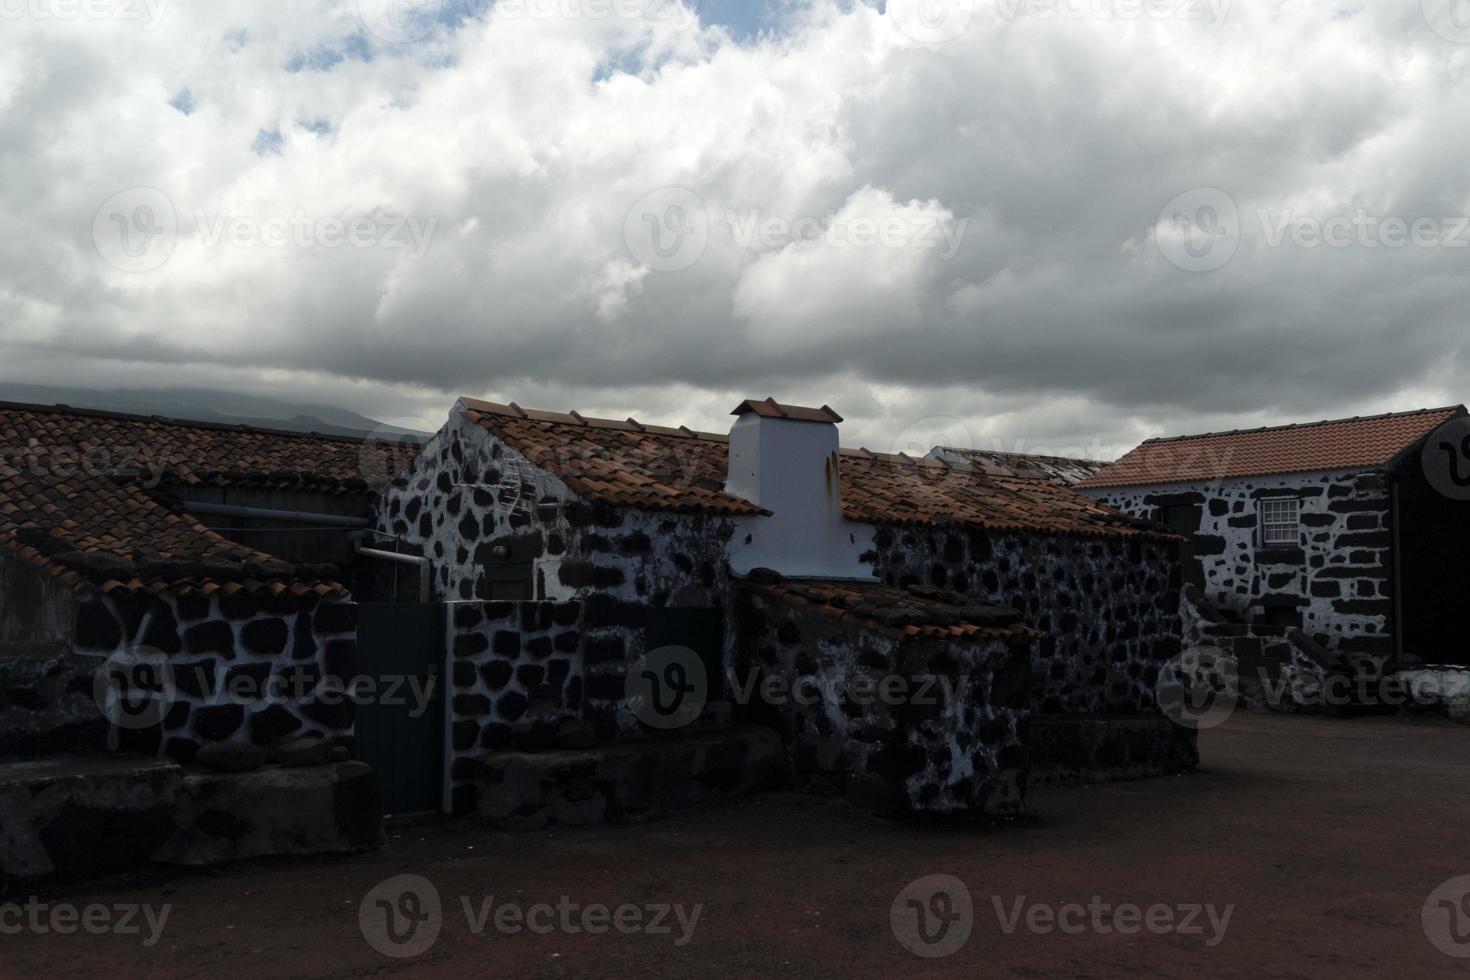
x=263, y=513
x=425, y=569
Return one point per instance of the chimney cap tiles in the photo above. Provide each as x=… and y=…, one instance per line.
x=770, y=409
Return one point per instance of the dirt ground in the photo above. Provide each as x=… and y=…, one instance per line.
x=1326, y=836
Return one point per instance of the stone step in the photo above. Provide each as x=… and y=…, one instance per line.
x=623, y=780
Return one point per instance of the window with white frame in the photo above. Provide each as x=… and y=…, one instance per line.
x=1281, y=522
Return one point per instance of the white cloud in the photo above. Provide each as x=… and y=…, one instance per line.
x=524, y=140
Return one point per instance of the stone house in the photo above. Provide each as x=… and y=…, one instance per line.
x=124, y=538
x=1340, y=530
x=547, y=580
x=772, y=553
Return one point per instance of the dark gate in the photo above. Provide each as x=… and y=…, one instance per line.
x=399, y=733
x=701, y=630
x=1185, y=519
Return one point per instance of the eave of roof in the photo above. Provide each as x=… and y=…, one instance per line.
x=900, y=614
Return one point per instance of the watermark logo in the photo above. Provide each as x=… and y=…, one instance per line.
x=1363, y=229
x=1446, y=917
x=385, y=230
x=668, y=230
x=667, y=688
x=388, y=450
x=1446, y=459
x=135, y=689
x=932, y=21
x=1105, y=918
x=933, y=917
x=147, y=12
x=673, y=12
x=757, y=231
x=143, y=466
x=1199, y=230
x=1450, y=19
x=925, y=435
x=401, y=917
x=401, y=21
x=63, y=919
x=1211, y=13
x=136, y=230
x=1199, y=689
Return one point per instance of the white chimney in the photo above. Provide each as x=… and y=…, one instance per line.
x=786, y=460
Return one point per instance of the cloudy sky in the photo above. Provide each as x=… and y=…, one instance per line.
x=1022, y=224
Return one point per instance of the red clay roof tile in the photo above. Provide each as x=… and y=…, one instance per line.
x=607, y=465
x=1340, y=444
x=71, y=501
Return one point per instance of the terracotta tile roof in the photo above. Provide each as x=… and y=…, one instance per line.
x=194, y=453
x=659, y=468
x=73, y=499
x=914, y=611
x=1059, y=469
x=1340, y=444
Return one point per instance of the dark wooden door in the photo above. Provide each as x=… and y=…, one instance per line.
x=400, y=728
x=701, y=630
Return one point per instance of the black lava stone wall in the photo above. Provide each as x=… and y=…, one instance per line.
x=512, y=661
x=948, y=737
x=1107, y=608
x=239, y=665
x=1337, y=581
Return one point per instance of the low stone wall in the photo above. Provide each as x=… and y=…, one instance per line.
x=224, y=817
x=76, y=817
x=627, y=779
x=515, y=664
x=896, y=724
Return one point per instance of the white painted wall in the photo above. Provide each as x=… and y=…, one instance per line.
x=791, y=468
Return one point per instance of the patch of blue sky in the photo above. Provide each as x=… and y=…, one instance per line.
x=268, y=142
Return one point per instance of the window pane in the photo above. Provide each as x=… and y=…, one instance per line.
x=1280, y=521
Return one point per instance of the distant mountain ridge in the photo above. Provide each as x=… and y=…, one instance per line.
x=204, y=405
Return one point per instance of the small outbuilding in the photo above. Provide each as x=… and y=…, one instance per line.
x=1351, y=532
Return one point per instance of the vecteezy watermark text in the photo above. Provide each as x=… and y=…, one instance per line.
x=62, y=919
x=139, y=229
x=403, y=916
x=146, y=12
x=1204, y=920
x=302, y=230
x=1210, y=13
x=759, y=231
x=135, y=688
x=935, y=916
x=670, y=229
x=1202, y=229
x=144, y=464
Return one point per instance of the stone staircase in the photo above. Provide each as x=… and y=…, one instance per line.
x=1276, y=668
